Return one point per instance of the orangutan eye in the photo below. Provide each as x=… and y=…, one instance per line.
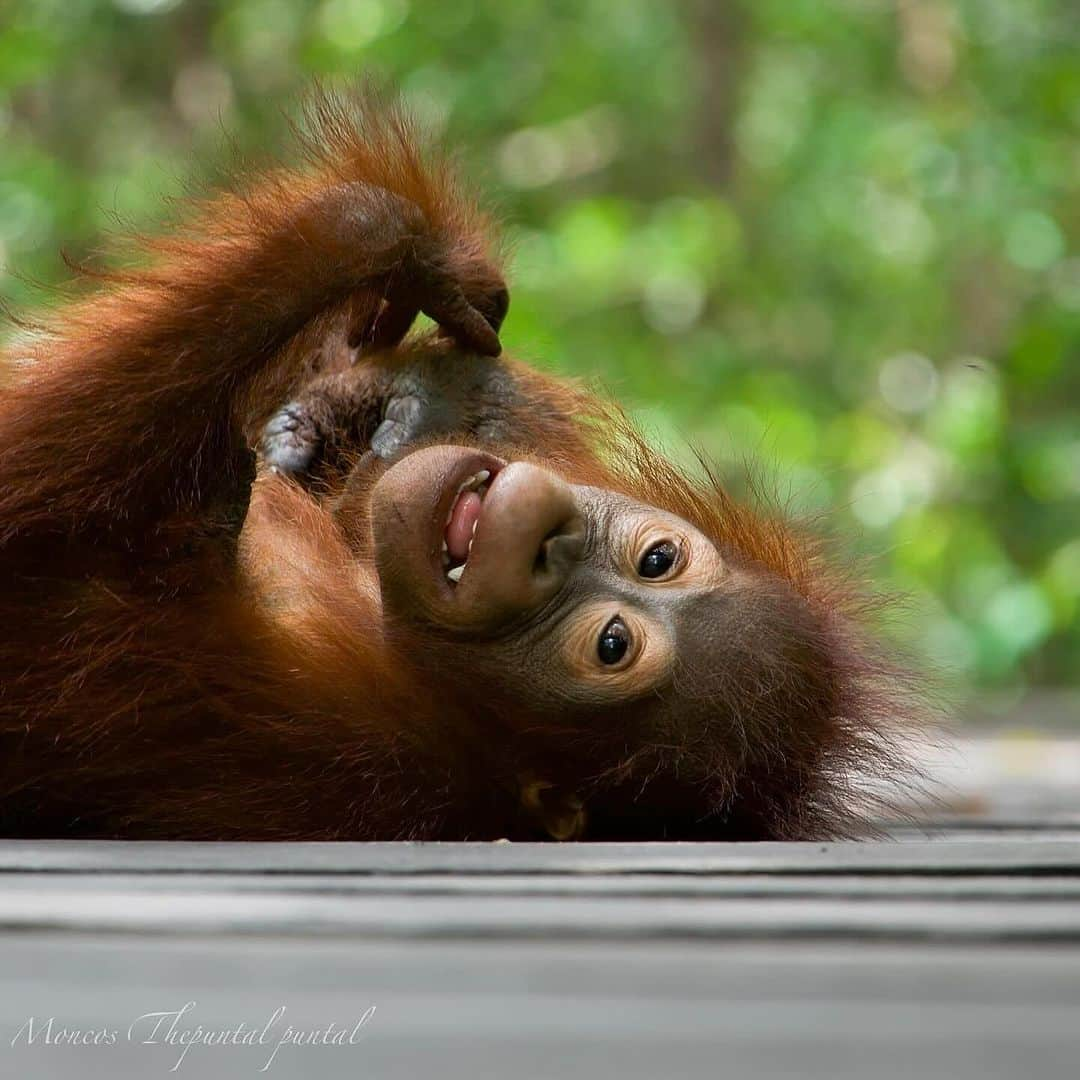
x=614, y=641
x=658, y=560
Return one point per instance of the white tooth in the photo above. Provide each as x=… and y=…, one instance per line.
x=481, y=476
x=455, y=574
x=474, y=524
x=444, y=547
x=468, y=550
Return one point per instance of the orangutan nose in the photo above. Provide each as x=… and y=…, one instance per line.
x=531, y=537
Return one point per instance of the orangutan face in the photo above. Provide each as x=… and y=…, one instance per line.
x=567, y=593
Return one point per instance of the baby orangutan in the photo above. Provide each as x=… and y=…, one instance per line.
x=270, y=568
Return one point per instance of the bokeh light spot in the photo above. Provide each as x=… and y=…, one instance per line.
x=1033, y=240
x=908, y=382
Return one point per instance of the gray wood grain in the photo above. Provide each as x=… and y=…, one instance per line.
x=951, y=951
x=538, y=1010
x=905, y=886
x=530, y=916
x=946, y=857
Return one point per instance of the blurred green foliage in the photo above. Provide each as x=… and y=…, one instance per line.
x=841, y=237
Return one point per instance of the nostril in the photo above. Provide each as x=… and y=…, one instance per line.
x=543, y=552
x=558, y=549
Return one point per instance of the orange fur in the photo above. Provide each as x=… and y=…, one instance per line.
x=164, y=676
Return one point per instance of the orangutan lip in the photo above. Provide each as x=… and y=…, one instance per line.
x=464, y=497
x=461, y=522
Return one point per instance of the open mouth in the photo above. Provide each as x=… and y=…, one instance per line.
x=462, y=520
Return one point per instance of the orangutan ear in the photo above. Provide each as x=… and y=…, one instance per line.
x=561, y=814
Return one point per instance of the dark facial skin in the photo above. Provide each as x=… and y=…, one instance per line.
x=571, y=597
x=629, y=667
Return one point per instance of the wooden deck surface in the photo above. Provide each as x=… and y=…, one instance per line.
x=945, y=951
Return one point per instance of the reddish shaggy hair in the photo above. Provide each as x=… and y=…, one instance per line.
x=162, y=679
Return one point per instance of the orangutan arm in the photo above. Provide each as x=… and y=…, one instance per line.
x=124, y=412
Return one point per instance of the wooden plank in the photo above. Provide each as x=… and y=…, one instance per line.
x=986, y=828
x=912, y=887
x=62, y=905
x=956, y=858
x=958, y=956
x=534, y=1011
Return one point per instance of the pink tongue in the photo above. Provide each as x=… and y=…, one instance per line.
x=459, y=531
